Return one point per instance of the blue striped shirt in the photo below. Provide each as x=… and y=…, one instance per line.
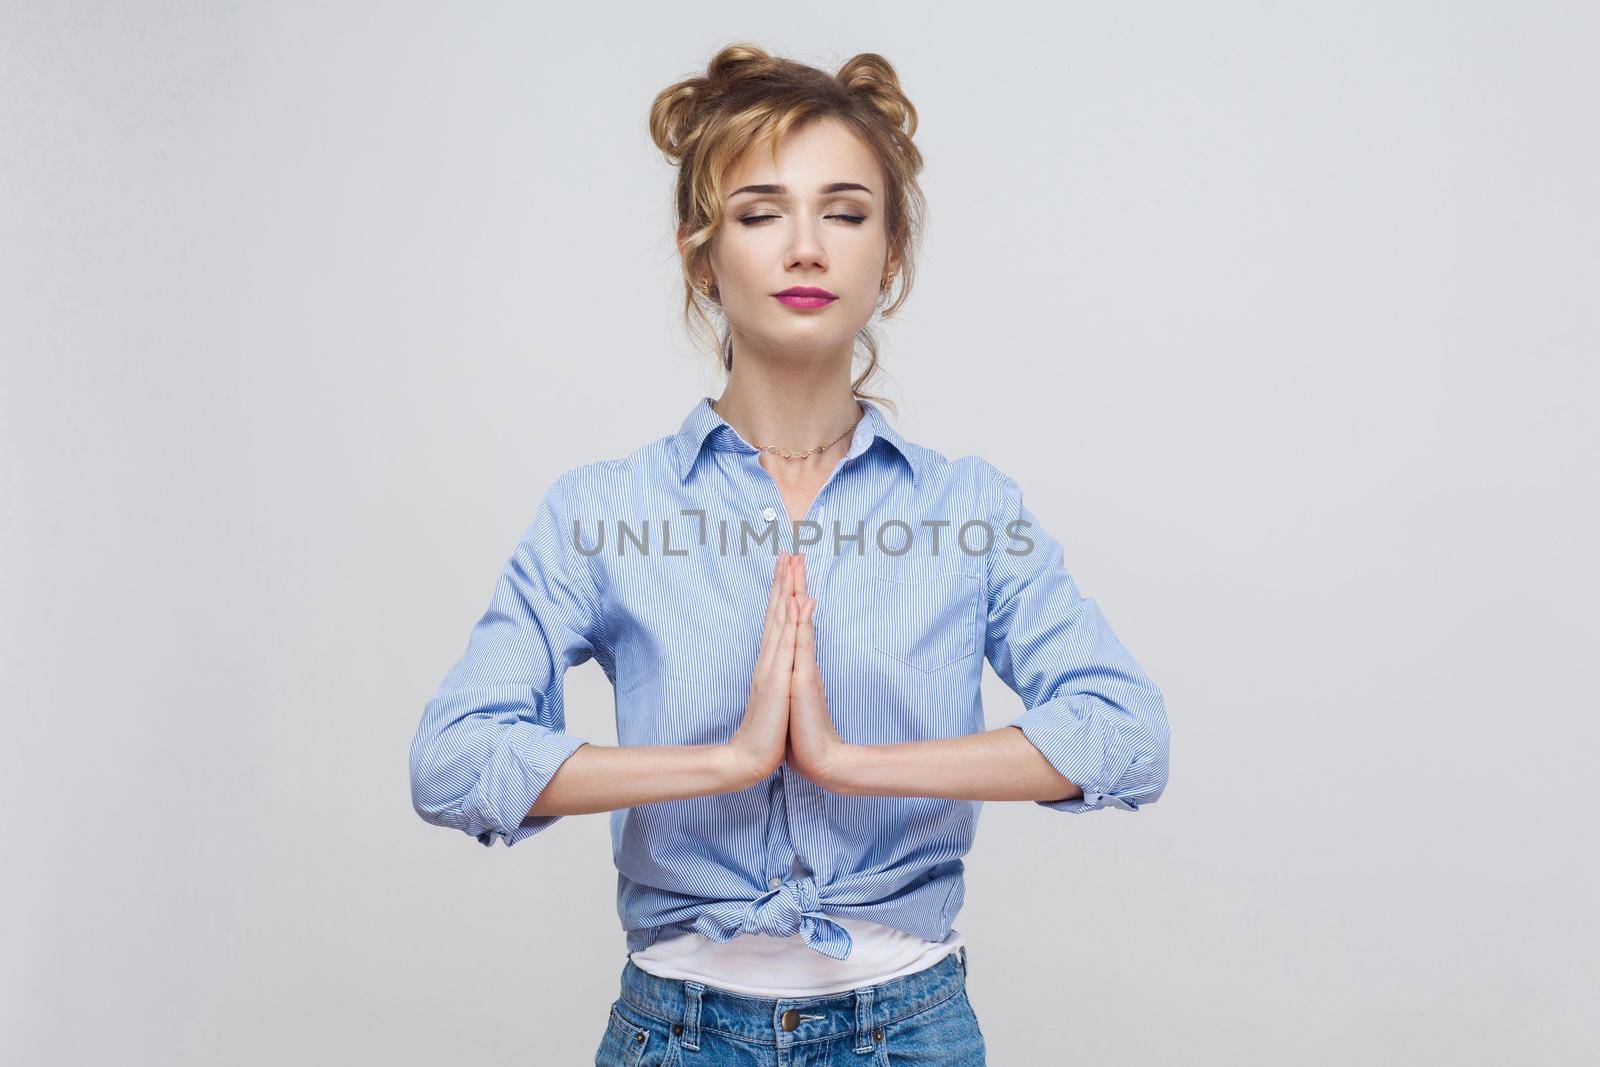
x=658, y=566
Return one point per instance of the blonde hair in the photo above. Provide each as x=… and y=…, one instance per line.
x=747, y=98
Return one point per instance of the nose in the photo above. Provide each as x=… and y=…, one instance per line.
x=805, y=250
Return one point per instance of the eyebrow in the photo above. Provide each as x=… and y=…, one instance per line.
x=783, y=190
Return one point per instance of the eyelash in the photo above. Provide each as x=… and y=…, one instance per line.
x=751, y=220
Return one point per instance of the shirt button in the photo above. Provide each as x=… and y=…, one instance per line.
x=770, y=514
x=775, y=882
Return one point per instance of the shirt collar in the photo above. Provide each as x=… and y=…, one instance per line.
x=703, y=425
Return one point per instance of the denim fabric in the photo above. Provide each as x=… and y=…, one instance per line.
x=921, y=1018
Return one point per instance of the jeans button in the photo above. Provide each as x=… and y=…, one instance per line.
x=790, y=1020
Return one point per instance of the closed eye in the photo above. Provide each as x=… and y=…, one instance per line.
x=854, y=220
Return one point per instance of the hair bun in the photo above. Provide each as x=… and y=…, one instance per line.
x=872, y=77
x=678, y=113
x=737, y=63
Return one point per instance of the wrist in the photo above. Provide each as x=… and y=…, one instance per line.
x=737, y=769
x=836, y=771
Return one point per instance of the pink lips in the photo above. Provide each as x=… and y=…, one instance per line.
x=805, y=296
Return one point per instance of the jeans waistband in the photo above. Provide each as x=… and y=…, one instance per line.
x=785, y=1021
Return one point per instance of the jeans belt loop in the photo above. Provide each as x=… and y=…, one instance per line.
x=864, y=1025
x=691, y=1015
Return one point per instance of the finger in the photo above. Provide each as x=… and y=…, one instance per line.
x=784, y=663
x=800, y=576
x=773, y=621
x=775, y=592
x=775, y=661
x=805, y=649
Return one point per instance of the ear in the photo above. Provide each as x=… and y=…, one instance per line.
x=891, y=265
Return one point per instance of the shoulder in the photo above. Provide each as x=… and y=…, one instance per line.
x=615, y=479
x=969, y=477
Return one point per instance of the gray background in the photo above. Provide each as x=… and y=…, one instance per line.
x=1284, y=317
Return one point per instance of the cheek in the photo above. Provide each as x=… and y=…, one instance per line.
x=872, y=252
x=745, y=261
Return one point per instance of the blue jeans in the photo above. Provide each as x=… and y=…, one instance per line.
x=920, y=1018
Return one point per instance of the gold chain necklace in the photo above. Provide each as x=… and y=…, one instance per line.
x=802, y=455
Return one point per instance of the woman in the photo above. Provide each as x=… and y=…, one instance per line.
x=802, y=754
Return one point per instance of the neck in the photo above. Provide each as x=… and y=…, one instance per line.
x=795, y=408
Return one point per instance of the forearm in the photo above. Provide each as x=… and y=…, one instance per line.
x=999, y=764
x=604, y=777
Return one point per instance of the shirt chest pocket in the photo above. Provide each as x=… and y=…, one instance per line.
x=925, y=610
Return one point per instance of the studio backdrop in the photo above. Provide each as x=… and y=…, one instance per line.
x=1283, y=316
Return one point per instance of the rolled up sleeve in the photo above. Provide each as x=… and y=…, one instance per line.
x=1090, y=709
x=494, y=733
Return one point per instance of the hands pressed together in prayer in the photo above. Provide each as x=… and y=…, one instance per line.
x=787, y=718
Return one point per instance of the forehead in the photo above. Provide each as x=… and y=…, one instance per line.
x=824, y=150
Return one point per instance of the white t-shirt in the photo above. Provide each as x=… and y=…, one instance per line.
x=760, y=965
